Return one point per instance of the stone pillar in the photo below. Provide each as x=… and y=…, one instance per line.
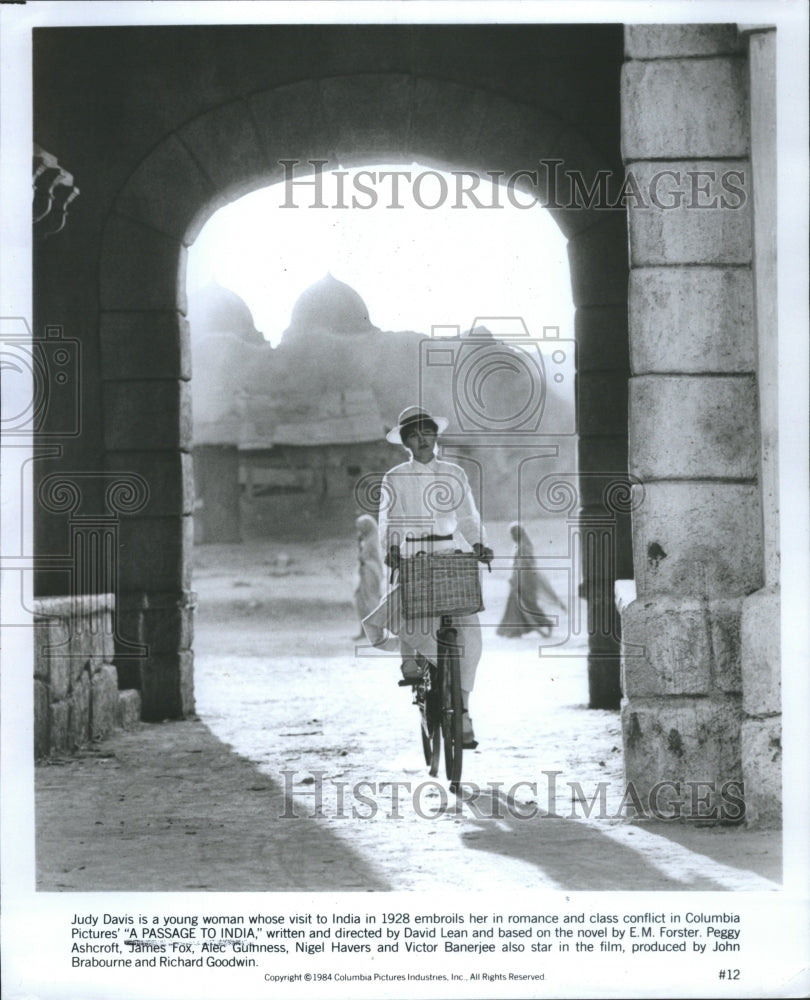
x=602, y=371
x=147, y=431
x=761, y=646
x=693, y=414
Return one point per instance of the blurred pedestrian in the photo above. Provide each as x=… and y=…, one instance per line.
x=523, y=613
x=369, y=584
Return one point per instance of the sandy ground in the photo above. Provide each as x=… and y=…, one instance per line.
x=303, y=770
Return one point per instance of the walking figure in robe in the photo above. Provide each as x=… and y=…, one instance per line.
x=527, y=586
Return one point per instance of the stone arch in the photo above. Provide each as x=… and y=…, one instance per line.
x=235, y=148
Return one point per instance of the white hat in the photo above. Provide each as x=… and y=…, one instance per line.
x=413, y=416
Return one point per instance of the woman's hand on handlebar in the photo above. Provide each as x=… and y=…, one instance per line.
x=484, y=554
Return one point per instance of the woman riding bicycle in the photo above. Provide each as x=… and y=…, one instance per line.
x=426, y=505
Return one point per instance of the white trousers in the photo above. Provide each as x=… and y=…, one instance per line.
x=419, y=635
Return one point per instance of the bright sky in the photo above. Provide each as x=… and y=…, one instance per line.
x=415, y=266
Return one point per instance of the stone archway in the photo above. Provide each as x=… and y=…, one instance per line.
x=235, y=148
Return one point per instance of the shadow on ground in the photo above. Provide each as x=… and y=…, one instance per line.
x=581, y=856
x=169, y=807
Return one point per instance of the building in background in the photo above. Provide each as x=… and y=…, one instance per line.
x=292, y=439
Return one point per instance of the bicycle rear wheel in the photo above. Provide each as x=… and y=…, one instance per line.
x=449, y=683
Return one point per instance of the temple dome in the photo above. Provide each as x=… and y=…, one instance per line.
x=218, y=310
x=329, y=306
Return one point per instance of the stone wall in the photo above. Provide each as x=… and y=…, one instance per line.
x=694, y=431
x=76, y=693
x=761, y=625
x=194, y=117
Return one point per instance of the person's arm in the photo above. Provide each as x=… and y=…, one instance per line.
x=382, y=515
x=388, y=546
x=470, y=524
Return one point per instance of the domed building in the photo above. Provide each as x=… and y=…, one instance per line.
x=217, y=310
x=328, y=306
x=283, y=435
x=220, y=327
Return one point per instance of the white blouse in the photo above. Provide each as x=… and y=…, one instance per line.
x=428, y=499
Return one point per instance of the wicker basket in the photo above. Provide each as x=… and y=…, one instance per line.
x=447, y=583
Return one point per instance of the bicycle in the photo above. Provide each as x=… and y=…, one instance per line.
x=443, y=586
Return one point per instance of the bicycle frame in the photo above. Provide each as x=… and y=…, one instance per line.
x=438, y=697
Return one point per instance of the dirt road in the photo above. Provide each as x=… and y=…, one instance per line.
x=305, y=772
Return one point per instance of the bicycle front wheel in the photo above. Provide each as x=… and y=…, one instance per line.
x=430, y=717
x=449, y=683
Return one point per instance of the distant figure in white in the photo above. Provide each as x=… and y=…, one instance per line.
x=426, y=505
x=369, y=581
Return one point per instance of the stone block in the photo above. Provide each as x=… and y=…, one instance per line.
x=42, y=720
x=761, y=741
x=129, y=672
x=583, y=188
x=223, y=141
x=167, y=687
x=476, y=126
x=604, y=627
x=505, y=136
x=606, y=455
x=445, y=117
x=72, y=634
x=79, y=663
x=168, y=629
x=155, y=554
x=169, y=475
x=153, y=414
x=108, y=637
x=50, y=636
x=128, y=622
x=672, y=646
x=51, y=650
x=129, y=708
x=693, y=427
x=662, y=41
x=681, y=740
x=165, y=622
x=135, y=345
x=598, y=262
x=60, y=727
x=291, y=125
x=153, y=195
x=761, y=653
x=602, y=403
x=689, y=108
x=602, y=339
x=698, y=539
x=141, y=269
x=690, y=212
x=604, y=689
x=374, y=112
x=691, y=319
x=60, y=671
x=103, y=701
x=87, y=645
x=79, y=713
